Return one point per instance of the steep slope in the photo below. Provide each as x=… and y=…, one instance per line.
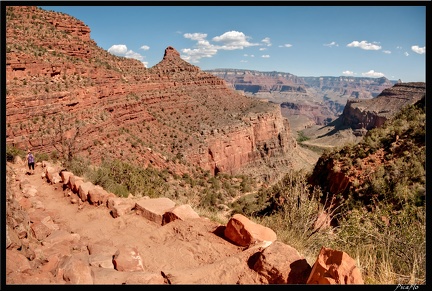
x=387, y=165
x=373, y=113
x=68, y=97
x=361, y=115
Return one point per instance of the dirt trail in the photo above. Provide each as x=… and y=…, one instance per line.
x=191, y=251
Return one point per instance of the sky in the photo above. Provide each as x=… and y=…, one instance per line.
x=304, y=40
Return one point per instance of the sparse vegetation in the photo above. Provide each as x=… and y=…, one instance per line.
x=382, y=223
x=380, y=220
x=301, y=137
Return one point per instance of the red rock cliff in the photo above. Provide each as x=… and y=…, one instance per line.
x=64, y=91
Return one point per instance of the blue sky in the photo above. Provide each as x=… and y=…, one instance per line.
x=370, y=41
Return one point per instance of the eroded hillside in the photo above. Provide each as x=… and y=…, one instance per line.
x=67, y=96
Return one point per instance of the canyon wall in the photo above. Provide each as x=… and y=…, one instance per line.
x=65, y=95
x=373, y=113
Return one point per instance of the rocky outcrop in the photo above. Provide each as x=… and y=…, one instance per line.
x=233, y=147
x=70, y=97
x=373, y=113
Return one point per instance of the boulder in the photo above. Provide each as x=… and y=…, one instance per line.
x=154, y=209
x=97, y=196
x=16, y=262
x=75, y=271
x=244, y=232
x=122, y=208
x=282, y=264
x=334, y=267
x=40, y=230
x=101, y=261
x=74, y=183
x=128, y=259
x=52, y=175
x=29, y=191
x=119, y=206
x=65, y=175
x=83, y=190
x=182, y=212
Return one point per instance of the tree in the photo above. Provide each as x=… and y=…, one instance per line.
x=68, y=131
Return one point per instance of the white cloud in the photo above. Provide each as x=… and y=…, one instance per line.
x=195, y=36
x=387, y=52
x=233, y=40
x=348, y=73
x=145, y=47
x=252, y=56
x=243, y=61
x=263, y=48
x=203, y=49
x=286, y=45
x=364, y=45
x=133, y=55
x=267, y=41
x=406, y=54
x=194, y=55
x=331, y=44
x=419, y=50
x=265, y=56
x=399, y=47
x=122, y=51
x=373, y=74
x=118, y=49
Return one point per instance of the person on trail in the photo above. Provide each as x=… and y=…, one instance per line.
x=30, y=162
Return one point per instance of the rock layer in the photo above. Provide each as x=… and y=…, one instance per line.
x=373, y=113
x=70, y=97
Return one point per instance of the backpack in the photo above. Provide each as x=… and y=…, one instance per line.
x=30, y=158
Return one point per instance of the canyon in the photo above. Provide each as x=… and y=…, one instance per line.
x=74, y=98
x=70, y=98
x=304, y=101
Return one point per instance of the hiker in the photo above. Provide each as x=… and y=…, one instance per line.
x=30, y=162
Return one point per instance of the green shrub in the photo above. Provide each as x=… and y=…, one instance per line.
x=78, y=166
x=39, y=157
x=301, y=137
x=12, y=152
